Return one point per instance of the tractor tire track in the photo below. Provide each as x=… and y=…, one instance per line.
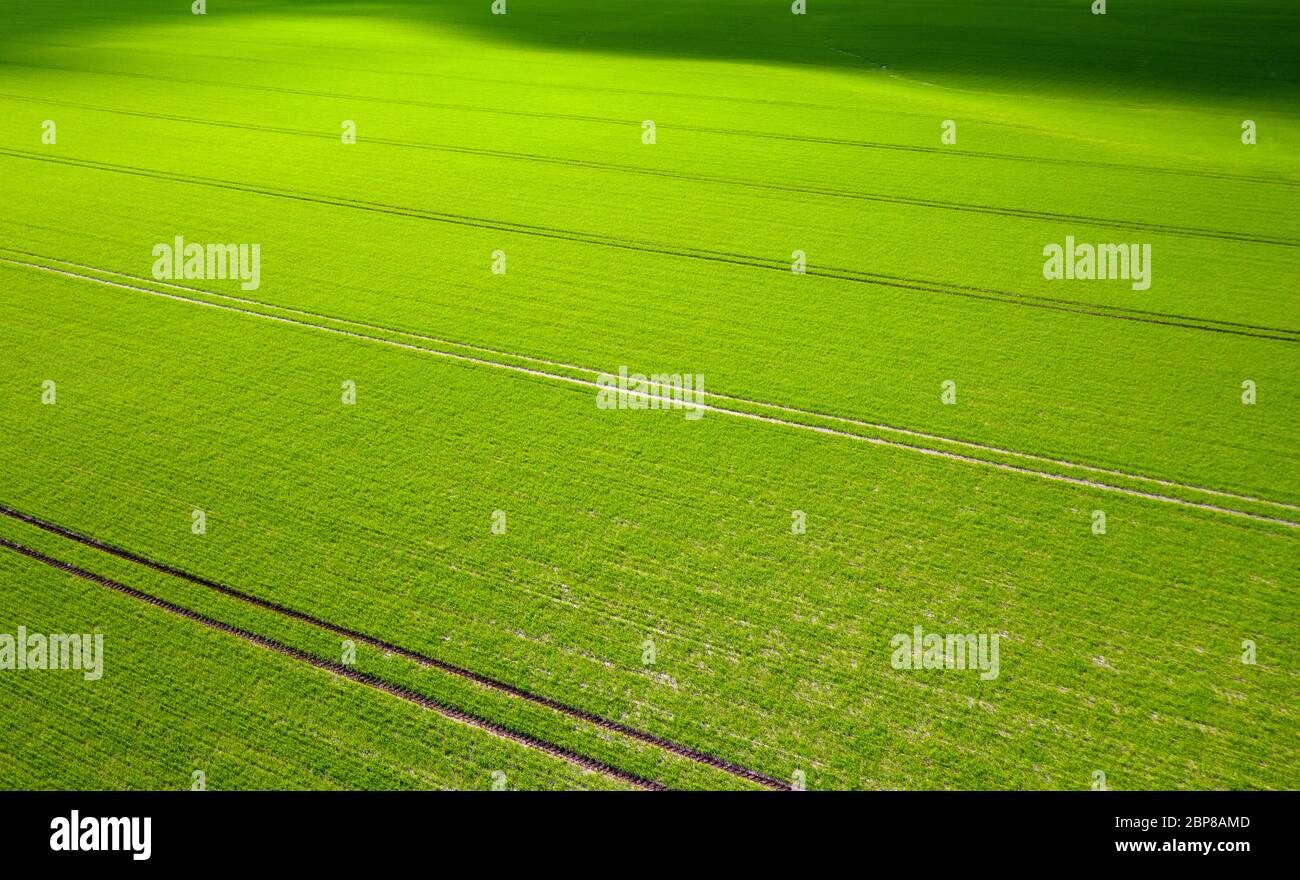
x=422, y=659
x=418, y=74
x=785, y=408
x=749, y=261
x=735, y=132
x=703, y=407
x=717, y=180
x=339, y=669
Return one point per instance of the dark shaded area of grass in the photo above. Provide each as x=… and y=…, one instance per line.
x=1239, y=49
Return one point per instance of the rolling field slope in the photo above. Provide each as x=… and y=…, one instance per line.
x=390, y=442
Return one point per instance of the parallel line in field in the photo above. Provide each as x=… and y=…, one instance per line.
x=442, y=75
x=819, y=191
x=425, y=660
x=379, y=684
x=878, y=441
x=443, y=56
x=878, y=426
x=604, y=120
x=556, y=234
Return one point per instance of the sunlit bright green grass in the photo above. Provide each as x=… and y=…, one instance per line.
x=775, y=133
x=1142, y=397
x=772, y=648
x=176, y=699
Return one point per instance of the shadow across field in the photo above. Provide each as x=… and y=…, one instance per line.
x=1249, y=49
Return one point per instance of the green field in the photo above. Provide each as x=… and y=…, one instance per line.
x=622, y=588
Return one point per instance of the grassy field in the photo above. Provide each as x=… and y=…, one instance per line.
x=625, y=587
x=181, y=707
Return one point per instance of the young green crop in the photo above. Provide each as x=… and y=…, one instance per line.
x=633, y=535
